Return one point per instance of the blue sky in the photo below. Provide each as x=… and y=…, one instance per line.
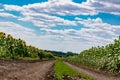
x=62, y=25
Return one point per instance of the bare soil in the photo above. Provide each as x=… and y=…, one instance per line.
x=97, y=75
x=24, y=70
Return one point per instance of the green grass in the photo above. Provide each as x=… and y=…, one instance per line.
x=61, y=69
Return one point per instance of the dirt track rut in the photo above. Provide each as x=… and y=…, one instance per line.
x=95, y=74
x=24, y=70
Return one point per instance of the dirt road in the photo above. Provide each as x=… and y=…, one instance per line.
x=95, y=74
x=24, y=70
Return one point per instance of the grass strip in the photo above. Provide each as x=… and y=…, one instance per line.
x=62, y=69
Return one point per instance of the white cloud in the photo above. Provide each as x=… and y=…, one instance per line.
x=44, y=20
x=37, y=14
x=15, y=29
x=59, y=7
x=68, y=7
x=45, y=14
x=99, y=28
x=95, y=32
x=12, y=7
x=8, y=15
x=41, y=14
x=106, y=6
x=97, y=24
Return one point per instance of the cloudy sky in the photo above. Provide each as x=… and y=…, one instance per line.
x=62, y=25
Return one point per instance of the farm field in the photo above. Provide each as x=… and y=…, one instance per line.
x=59, y=39
x=19, y=61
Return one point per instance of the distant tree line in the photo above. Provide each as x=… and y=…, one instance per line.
x=62, y=54
x=11, y=48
